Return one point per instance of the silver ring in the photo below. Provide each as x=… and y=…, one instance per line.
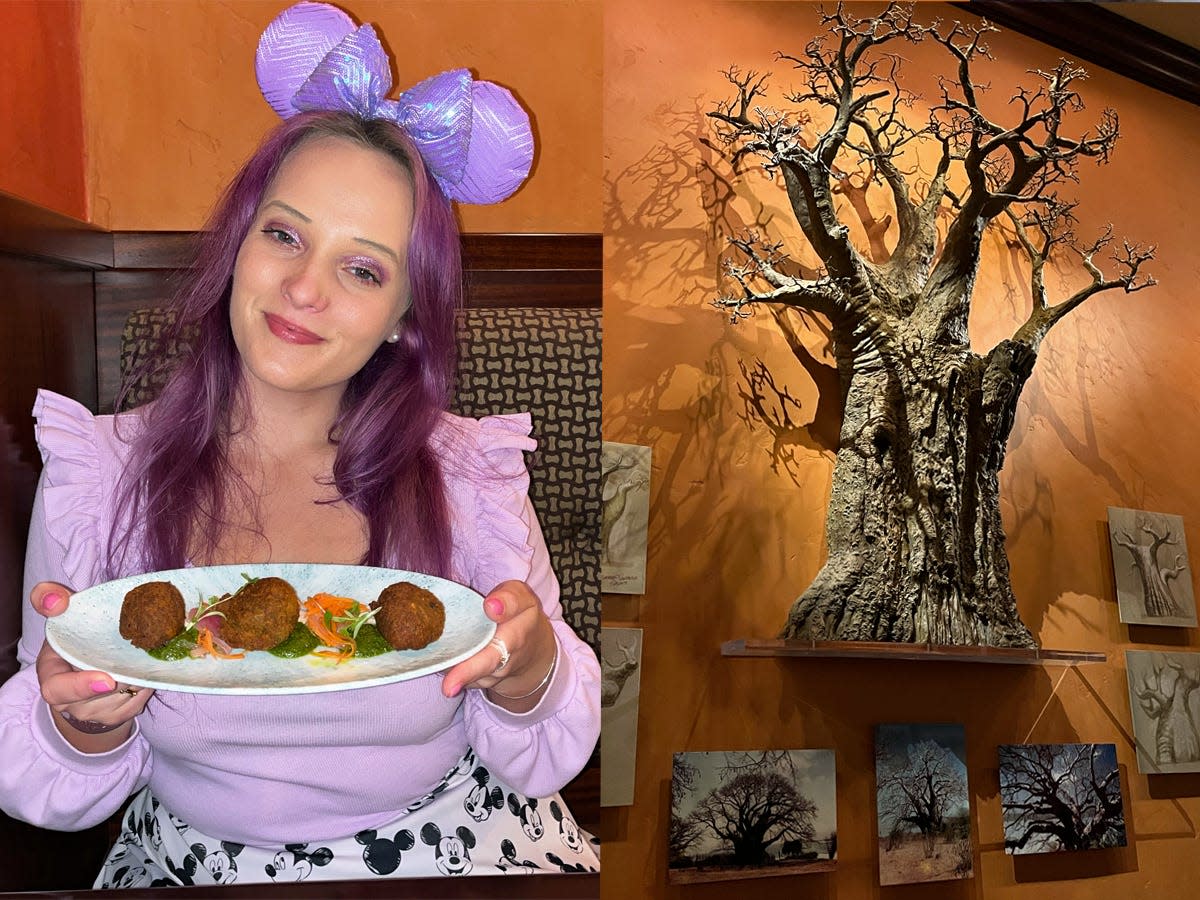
x=502, y=649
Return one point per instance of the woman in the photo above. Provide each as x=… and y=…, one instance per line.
x=306, y=423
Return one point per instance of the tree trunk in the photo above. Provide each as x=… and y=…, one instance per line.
x=916, y=544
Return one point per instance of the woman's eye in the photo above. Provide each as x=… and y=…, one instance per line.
x=281, y=235
x=364, y=274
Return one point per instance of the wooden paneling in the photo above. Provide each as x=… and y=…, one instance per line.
x=1090, y=32
x=46, y=340
x=493, y=887
x=31, y=231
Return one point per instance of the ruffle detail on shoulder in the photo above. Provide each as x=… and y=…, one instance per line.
x=487, y=475
x=72, y=481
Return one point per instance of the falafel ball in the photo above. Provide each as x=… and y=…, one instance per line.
x=409, y=616
x=260, y=615
x=151, y=614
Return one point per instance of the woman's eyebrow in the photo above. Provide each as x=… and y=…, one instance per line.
x=382, y=248
x=295, y=212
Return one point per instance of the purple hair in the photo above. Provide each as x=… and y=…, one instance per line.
x=177, y=471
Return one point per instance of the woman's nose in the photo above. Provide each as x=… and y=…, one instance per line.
x=305, y=286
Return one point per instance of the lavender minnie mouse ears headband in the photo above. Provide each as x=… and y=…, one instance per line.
x=473, y=135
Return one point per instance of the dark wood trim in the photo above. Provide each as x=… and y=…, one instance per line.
x=152, y=249
x=532, y=251
x=31, y=231
x=498, y=887
x=1090, y=32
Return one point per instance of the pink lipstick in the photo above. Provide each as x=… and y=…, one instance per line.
x=290, y=331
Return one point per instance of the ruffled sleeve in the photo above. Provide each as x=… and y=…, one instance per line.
x=65, y=536
x=44, y=780
x=498, y=538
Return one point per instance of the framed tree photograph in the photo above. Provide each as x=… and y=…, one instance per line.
x=620, y=686
x=1061, y=797
x=1165, y=708
x=751, y=814
x=1150, y=566
x=922, y=803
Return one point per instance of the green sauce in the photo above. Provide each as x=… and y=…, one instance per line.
x=370, y=642
x=300, y=642
x=178, y=647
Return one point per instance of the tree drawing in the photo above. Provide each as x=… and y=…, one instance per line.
x=917, y=791
x=613, y=675
x=618, y=478
x=1164, y=695
x=1061, y=797
x=754, y=811
x=915, y=540
x=1154, y=576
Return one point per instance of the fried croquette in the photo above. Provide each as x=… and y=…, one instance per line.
x=409, y=616
x=152, y=614
x=260, y=615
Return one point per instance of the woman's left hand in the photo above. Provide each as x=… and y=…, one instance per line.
x=524, y=630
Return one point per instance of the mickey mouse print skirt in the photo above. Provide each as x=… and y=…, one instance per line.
x=469, y=824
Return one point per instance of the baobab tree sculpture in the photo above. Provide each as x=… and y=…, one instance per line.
x=914, y=534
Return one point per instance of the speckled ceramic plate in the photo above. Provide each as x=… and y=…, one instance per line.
x=87, y=634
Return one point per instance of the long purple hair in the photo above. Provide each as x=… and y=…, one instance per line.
x=173, y=493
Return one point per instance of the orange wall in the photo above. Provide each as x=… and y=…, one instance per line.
x=41, y=141
x=1110, y=417
x=172, y=107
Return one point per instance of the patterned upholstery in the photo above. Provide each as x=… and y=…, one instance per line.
x=543, y=360
x=547, y=361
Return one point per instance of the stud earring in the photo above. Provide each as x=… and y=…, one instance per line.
x=394, y=337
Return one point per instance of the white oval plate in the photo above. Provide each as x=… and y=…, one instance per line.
x=87, y=635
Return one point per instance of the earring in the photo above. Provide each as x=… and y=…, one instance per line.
x=395, y=336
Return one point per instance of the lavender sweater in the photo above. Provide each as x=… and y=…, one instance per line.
x=289, y=769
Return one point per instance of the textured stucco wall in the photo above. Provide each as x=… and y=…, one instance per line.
x=172, y=107
x=41, y=118
x=1110, y=417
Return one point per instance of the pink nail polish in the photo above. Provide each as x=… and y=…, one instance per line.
x=100, y=687
x=495, y=607
x=51, y=601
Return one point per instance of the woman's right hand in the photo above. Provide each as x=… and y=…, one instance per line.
x=91, y=710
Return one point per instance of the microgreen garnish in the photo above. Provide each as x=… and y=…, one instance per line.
x=356, y=620
x=206, y=608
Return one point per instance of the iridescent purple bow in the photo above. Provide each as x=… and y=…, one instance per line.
x=473, y=135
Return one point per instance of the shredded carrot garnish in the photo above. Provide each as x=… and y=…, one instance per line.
x=339, y=606
x=319, y=612
x=205, y=642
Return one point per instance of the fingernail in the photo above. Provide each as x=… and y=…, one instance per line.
x=494, y=606
x=51, y=601
x=101, y=687
x=454, y=690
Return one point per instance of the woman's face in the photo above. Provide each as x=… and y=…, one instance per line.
x=320, y=280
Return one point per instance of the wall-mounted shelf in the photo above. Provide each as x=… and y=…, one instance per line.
x=930, y=652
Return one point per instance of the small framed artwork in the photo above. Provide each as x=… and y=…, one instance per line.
x=1061, y=797
x=620, y=686
x=1150, y=565
x=751, y=814
x=1165, y=708
x=922, y=803
x=624, y=517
